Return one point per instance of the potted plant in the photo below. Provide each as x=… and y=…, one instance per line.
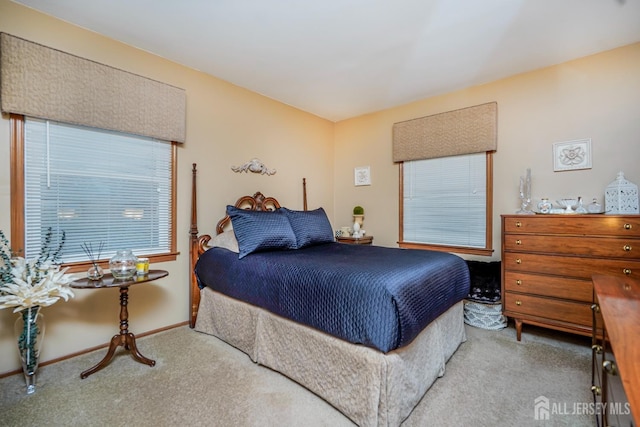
x=358, y=215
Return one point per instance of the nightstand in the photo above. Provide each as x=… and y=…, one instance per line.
x=366, y=240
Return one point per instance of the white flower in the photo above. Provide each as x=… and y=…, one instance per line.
x=22, y=292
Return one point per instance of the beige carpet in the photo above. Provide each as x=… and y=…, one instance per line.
x=492, y=380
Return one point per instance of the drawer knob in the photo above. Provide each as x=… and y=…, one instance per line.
x=597, y=348
x=627, y=226
x=609, y=367
x=518, y=242
x=518, y=303
x=627, y=271
x=627, y=248
x=595, y=308
x=519, y=224
x=518, y=261
x=518, y=282
x=596, y=390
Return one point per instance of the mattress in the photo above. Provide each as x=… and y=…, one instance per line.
x=375, y=296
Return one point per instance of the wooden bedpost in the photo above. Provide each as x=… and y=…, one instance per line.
x=194, y=293
x=304, y=193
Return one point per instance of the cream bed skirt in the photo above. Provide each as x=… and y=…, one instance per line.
x=369, y=387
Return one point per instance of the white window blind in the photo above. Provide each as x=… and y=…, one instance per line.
x=98, y=187
x=445, y=201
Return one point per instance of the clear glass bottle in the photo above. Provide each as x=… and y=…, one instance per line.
x=544, y=206
x=123, y=264
x=95, y=272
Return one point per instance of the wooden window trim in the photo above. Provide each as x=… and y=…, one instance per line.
x=486, y=251
x=17, y=199
x=17, y=183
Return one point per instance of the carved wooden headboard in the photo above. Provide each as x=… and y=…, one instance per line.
x=199, y=244
x=257, y=202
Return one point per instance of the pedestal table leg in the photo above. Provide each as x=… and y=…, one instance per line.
x=125, y=338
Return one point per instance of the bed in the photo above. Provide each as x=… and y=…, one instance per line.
x=351, y=323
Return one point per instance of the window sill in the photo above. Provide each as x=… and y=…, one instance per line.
x=444, y=248
x=81, y=266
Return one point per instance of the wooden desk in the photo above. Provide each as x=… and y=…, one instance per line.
x=365, y=240
x=618, y=299
x=124, y=338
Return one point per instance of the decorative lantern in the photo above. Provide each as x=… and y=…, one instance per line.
x=621, y=196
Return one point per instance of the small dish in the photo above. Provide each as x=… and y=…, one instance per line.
x=568, y=204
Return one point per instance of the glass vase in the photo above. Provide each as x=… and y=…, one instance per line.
x=29, y=332
x=525, y=195
x=123, y=264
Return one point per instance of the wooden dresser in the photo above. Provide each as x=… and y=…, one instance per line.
x=548, y=261
x=616, y=351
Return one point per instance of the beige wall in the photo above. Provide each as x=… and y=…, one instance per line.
x=226, y=126
x=595, y=97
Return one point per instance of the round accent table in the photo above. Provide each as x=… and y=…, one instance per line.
x=124, y=338
x=364, y=240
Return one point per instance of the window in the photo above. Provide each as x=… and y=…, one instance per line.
x=99, y=187
x=446, y=204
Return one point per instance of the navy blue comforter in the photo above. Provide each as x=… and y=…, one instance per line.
x=375, y=296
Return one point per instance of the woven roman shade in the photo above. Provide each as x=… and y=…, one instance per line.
x=46, y=83
x=464, y=131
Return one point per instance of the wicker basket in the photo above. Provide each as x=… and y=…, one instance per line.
x=484, y=316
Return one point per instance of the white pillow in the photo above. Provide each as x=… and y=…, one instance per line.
x=226, y=240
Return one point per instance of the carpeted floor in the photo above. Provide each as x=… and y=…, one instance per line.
x=492, y=380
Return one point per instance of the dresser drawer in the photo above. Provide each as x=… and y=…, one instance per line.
x=552, y=286
x=576, y=267
x=594, y=225
x=605, y=247
x=548, y=308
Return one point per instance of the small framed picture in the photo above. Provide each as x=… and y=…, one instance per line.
x=572, y=155
x=362, y=175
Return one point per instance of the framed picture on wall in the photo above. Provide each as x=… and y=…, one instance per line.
x=362, y=175
x=572, y=155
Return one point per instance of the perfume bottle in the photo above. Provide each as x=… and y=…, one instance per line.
x=581, y=209
x=544, y=206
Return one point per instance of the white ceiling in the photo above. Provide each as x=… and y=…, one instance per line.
x=343, y=58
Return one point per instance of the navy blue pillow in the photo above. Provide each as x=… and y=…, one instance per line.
x=261, y=231
x=310, y=227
